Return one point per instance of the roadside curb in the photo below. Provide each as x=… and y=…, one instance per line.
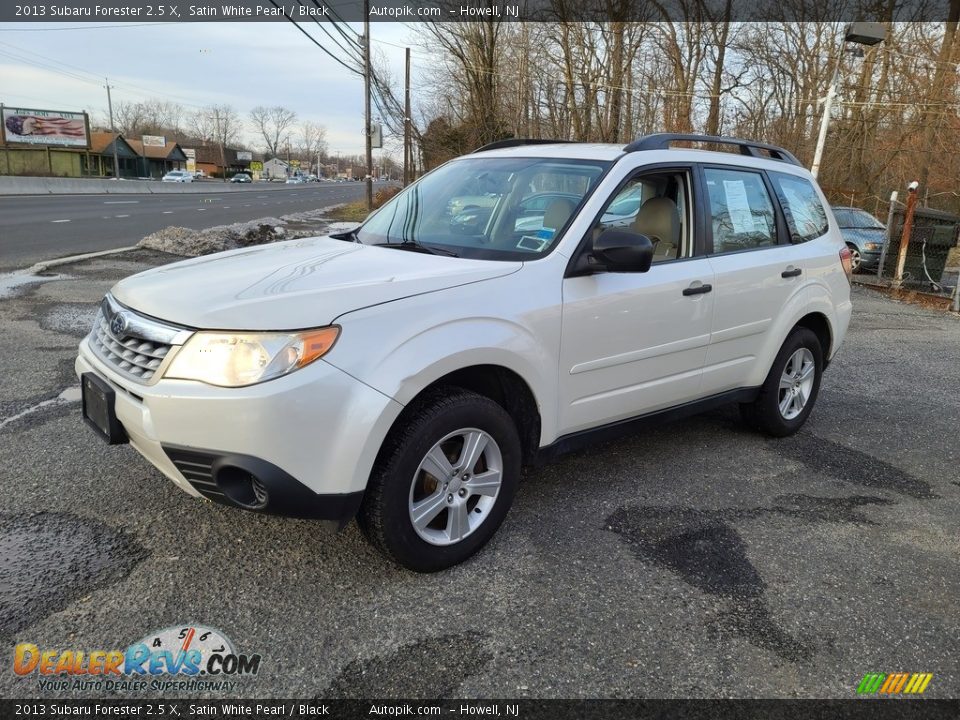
x=45, y=265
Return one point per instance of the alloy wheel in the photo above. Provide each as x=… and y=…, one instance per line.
x=455, y=486
x=796, y=383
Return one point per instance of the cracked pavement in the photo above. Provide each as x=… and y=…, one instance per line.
x=693, y=559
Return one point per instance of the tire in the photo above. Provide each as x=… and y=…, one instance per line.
x=856, y=259
x=440, y=426
x=767, y=413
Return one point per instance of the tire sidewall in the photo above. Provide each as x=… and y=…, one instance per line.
x=777, y=424
x=404, y=542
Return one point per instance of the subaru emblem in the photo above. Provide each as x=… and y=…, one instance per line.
x=118, y=324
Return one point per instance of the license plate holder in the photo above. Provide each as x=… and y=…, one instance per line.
x=99, y=409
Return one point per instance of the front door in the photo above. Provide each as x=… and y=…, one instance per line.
x=636, y=342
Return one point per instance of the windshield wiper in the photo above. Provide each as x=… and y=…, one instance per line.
x=417, y=246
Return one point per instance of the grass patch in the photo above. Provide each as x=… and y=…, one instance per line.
x=352, y=212
x=357, y=211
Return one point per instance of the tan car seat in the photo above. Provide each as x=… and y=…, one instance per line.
x=557, y=214
x=659, y=219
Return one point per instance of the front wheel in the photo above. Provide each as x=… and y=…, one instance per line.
x=443, y=482
x=788, y=394
x=856, y=259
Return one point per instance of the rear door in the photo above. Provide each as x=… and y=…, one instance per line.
x=757, y=269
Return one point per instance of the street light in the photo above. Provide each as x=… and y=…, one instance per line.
x=862, y=33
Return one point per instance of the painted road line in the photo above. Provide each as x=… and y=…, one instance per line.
x=167, y=212
x=121, y=202
x=59, y=221
x=201, y=209
x=120, y=216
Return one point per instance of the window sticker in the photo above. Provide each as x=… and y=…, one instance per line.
x=741, y=218
x=529, y=242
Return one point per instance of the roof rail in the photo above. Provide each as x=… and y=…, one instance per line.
x=516, y=142
x=662, y=141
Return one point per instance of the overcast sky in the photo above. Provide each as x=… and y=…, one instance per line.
x=243, y=64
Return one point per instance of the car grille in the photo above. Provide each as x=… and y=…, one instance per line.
x=136, y=346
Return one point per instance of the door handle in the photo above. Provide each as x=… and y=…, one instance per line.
x=697, y=289
x=791, y=272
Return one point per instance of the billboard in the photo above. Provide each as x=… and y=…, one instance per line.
x=244, y=155
x=153, y=140
x=45, y=127
x=191, y=154
x=256, y=165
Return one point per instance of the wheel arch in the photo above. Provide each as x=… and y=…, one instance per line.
x=502, y=385
x=819, y=324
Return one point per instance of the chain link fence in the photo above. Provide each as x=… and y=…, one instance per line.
x=932, y=262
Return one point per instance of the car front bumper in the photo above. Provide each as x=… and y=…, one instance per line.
x=869, y=259
x=302, y=445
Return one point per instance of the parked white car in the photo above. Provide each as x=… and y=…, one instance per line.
x=179, y=176
x=402, y=373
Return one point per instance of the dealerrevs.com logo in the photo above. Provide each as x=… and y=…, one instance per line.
x=189, y=658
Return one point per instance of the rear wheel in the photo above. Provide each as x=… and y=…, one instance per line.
x=788, y=394
x=443, y=482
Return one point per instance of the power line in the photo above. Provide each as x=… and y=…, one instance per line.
x=86, y=27
x=313, y=40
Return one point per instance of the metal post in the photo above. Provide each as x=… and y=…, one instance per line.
x=907, y=229
x=116, y=160
x=407, y=151
x=889, y=238
x=366, y=101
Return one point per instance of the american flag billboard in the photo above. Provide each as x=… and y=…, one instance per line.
x=44, y=127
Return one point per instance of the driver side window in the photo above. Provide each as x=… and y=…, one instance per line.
x=656, y=205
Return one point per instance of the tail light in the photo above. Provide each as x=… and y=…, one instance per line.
x=846, y=262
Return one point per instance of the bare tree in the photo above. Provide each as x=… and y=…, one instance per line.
x=275, y=125
x=311, y=141
x=219, y=125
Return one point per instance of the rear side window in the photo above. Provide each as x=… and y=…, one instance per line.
x=806, y=218
x=741, y=210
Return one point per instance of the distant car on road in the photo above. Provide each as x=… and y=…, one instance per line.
x=295, y=180
x=181, y=176
x=199, y=174
x=863, y=234
x=241, y=178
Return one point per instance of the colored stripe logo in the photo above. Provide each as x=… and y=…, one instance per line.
x=894, y=683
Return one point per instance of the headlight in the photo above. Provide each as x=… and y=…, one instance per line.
x=237, y=359
x=872, y=246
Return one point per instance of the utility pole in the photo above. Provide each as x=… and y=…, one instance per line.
x=862, y=33
x=366, y=101
x=825, y=122
x=116, y=159
x=407, y=144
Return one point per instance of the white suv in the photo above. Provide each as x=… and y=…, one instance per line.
x=403, y=372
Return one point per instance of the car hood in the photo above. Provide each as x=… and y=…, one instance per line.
x=294, y=284
x=862, y=235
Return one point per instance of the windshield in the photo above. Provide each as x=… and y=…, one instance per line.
x=487, y=208
x=859, y=219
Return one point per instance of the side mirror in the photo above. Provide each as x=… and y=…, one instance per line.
x=623, y=250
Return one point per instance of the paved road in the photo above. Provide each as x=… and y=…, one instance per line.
x=42, y=227
x=693, y=559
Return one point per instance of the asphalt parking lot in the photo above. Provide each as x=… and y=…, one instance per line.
x=693, y=560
